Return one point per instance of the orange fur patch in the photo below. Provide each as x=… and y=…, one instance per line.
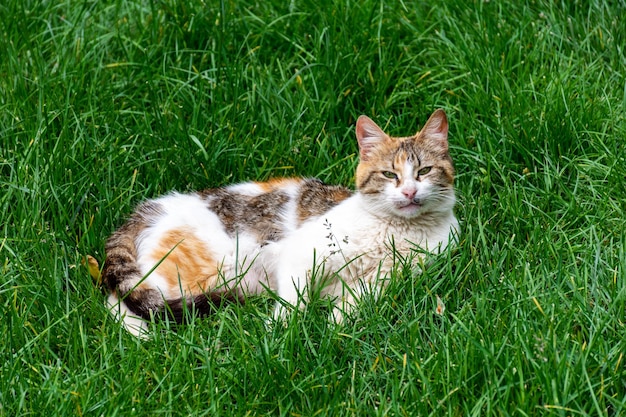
x=276, y=183
x=189, y=265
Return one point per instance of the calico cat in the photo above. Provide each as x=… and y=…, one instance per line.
x=197, y=249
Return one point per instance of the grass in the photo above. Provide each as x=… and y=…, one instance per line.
x=103, y=104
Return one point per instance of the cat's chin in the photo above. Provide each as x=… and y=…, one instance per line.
x=409, y=210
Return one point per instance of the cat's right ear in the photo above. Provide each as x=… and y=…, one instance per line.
x=436, y=130
x=369, y=135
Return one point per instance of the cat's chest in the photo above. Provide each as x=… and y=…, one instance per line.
x=352, y=230
x=375, y=236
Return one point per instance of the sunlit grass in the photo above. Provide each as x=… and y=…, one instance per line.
x=103, y=105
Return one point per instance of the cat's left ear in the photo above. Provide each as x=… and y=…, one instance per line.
x=436, y=129
x=369, y=135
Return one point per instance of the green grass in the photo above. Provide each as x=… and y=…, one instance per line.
x=103, y=104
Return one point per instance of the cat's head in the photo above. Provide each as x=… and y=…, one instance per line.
x=406, y=176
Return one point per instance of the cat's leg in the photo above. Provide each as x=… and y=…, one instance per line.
x=343, y=306
x=293, y=279
x=297, y=264
x=348, y=295
x=291, y=289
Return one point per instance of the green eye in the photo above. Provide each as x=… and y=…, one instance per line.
x=390, y=175
x=424, y=171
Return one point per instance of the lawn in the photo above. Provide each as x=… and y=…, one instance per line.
x=105, y=103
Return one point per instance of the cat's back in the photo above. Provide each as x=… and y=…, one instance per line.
x=274, y=208
x=267, y=210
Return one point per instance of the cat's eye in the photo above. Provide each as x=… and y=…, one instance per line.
x=424, y=171
x=390, y=175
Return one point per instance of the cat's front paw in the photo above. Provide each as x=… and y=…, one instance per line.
x=278, y=318
x=281, y=311
x=337, y=316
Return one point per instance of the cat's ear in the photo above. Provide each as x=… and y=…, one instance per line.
x=369, y=135
x=436, y=130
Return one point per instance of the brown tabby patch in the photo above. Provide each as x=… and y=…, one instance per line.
x=259, y=215
x=316, y=198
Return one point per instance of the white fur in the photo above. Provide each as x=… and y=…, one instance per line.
x=246, y=188
x=190, y=211
x=183, y=210
x=353, y=241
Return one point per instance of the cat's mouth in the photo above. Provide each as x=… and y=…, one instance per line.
x=410, y=206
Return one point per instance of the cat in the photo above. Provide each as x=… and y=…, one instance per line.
x=198, y=249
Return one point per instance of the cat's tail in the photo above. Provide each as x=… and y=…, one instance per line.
x=177, y=311
x=203, y=304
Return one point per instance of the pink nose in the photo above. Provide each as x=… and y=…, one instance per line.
x=409, y=193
